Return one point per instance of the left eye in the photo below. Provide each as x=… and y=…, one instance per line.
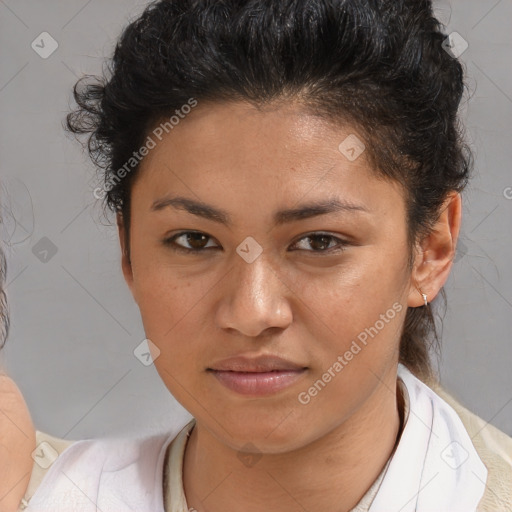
x=320, y=242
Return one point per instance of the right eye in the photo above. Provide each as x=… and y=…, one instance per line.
x=196, y=240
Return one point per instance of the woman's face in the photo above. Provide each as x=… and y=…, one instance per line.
x=301, y=255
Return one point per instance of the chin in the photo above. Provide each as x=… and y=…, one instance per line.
x=270, y=430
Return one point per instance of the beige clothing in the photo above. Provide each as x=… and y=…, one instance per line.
x=495, y=449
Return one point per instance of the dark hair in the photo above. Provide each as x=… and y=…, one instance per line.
x=379, y=66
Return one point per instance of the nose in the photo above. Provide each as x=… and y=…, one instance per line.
x=255, y=298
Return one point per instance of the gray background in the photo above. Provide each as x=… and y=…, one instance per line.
x=74, y=323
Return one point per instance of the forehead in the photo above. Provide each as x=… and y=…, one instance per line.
x=260, y=155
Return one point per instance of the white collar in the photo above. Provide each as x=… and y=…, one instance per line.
x=435, y=467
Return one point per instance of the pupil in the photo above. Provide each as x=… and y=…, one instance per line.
x=324, y=241
x=195, y=237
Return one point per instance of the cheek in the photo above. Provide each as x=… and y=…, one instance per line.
x=176, y=314
x=355, y=327
x=165, y=299
x=346, y=300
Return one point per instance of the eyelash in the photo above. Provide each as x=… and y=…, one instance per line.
x=177, y=248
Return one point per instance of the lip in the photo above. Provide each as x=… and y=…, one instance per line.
x=263, y=363
x=257, y=376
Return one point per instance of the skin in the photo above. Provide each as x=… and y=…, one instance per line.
x=294, y=301
x=17, y=442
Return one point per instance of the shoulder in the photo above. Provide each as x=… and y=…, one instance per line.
x=494, y=448
x=115, y=472
x=17, y=442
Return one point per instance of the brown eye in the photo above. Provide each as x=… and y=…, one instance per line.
x=196, y=240
x=321, y=242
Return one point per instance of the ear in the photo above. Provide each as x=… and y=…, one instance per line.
x=434, y=255
x=125, y=261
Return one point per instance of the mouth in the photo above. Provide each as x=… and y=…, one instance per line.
x=257, y=376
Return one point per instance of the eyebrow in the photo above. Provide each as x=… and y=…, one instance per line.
x=280, y=217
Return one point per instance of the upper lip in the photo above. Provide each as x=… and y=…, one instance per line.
x=264, y=363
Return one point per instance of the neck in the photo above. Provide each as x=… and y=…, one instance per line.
x=333, y=473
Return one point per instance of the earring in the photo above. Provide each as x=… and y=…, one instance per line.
x=424, y=295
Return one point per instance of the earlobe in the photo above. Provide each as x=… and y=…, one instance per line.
x=434, y=256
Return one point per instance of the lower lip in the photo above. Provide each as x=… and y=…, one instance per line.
x=256, y=383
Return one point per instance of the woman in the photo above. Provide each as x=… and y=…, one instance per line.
x=17, y=435
x=286, y=178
